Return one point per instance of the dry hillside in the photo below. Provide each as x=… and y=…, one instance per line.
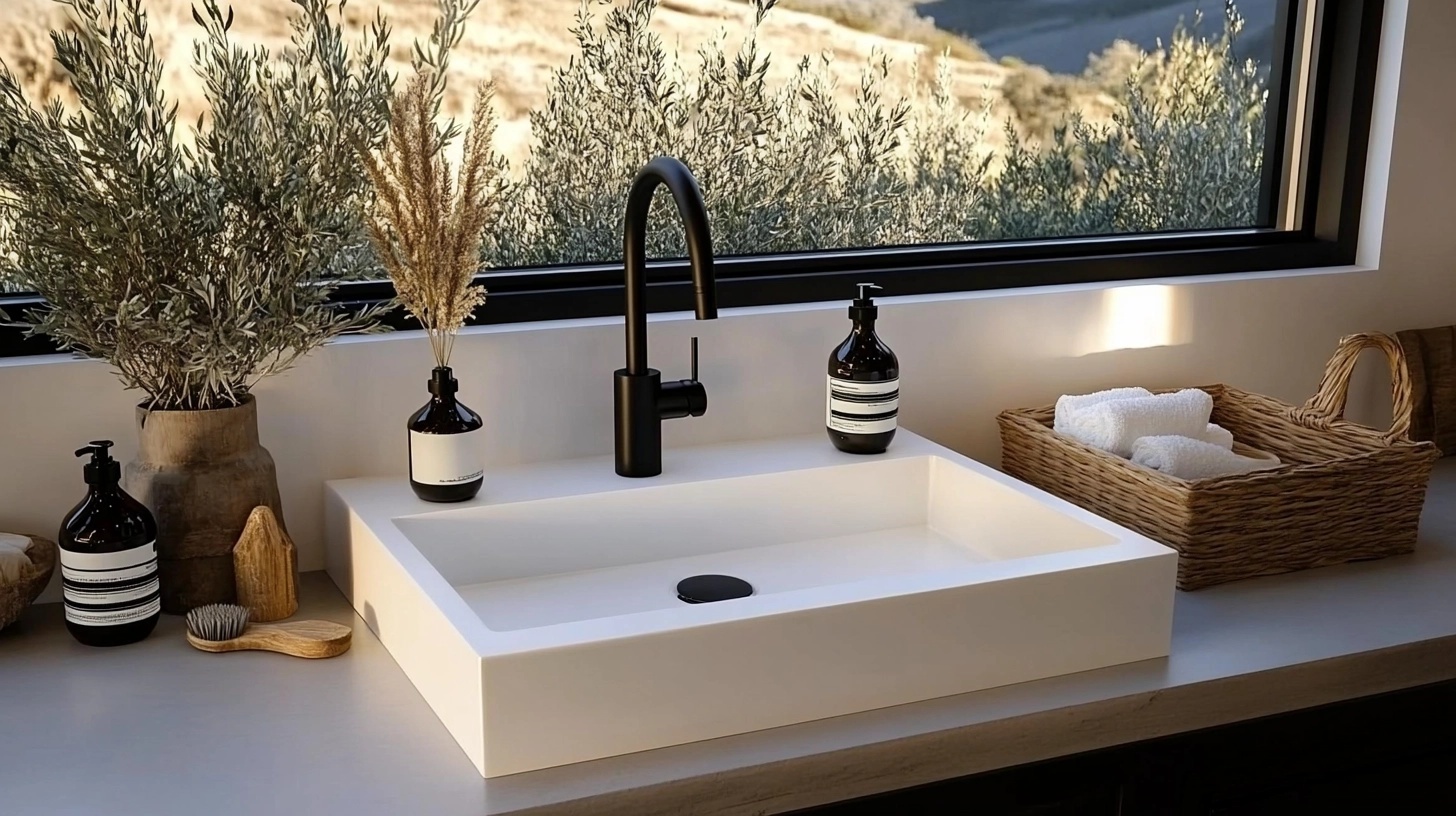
x=520, y=42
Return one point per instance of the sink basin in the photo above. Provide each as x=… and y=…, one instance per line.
x=542, y=622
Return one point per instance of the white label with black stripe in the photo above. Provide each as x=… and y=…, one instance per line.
x=110, y=589
x=862, y=407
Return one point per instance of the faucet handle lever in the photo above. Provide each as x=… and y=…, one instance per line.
x=682, y=398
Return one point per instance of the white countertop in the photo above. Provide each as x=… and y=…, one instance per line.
x=159, y=728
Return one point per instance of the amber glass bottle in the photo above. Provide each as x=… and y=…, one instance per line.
x=864, y=384
x=108, y=549
x=444, y=446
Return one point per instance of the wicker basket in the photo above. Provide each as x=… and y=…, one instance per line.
x=1345, y=492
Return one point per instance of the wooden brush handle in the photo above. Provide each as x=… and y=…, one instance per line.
x=311, y=638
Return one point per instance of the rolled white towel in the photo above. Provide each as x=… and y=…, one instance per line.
x=1115, y=425
x=1068, y=404
x=1218, y=435
x=1184, y=458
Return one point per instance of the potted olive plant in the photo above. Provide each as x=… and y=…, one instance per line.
x=194, y=271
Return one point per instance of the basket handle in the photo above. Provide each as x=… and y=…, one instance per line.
x=1328, y=403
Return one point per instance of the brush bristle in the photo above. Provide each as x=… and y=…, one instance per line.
x=217, y=621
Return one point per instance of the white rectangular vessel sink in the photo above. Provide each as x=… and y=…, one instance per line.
x=542, y=621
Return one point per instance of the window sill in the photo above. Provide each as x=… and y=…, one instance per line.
x=796, y=308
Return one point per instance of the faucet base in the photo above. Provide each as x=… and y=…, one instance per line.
x=638, y=425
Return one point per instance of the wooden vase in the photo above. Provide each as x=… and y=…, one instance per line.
x=201, y=473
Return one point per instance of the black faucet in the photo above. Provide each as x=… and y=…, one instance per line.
x=642, y=399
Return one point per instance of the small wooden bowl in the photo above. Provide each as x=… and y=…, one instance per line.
x=15, y=597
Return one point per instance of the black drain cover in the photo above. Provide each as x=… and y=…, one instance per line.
x=710, y=588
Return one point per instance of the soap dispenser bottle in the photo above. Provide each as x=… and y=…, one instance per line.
x=108, y=547
x=864, y=384
x=444, y=446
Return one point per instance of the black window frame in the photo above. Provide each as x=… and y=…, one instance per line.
x=1338, y=121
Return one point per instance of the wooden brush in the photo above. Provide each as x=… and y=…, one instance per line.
x=224, y=628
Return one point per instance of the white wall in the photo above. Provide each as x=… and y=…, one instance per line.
x=545, y=389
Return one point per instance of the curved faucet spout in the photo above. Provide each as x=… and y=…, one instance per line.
x=679, y=181
x=641, y=400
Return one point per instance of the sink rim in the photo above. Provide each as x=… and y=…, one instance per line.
x=379, y=503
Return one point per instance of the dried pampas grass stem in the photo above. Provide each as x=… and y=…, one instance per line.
x=427, y=224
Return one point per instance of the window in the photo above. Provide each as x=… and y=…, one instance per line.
x=935, y=146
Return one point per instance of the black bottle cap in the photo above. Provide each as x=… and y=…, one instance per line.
x=102, y=469
x=863, y=307
x=442, y=382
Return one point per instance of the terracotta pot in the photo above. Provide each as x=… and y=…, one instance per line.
x=200, y=473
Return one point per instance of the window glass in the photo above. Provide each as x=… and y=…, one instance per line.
x=820, y=125
x=824, y=125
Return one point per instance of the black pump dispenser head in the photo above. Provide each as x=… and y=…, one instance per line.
x=863, y=307
x=442, y=382
x=102, y=470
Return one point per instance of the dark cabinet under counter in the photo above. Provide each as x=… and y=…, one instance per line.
x=1391, y=754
